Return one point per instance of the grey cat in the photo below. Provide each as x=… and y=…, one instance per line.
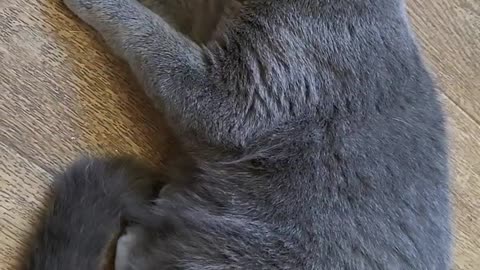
x=313, y=137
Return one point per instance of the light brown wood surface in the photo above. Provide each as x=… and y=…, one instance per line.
x=62, y=94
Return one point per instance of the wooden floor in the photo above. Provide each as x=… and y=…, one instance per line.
x=62, y=94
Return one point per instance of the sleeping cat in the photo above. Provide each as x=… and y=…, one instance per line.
x=313, y=137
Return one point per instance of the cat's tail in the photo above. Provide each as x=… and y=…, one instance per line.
x=84, y=217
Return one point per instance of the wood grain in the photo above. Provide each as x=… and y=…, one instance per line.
x=450, y=35
x=63, y=94
x=23, y=189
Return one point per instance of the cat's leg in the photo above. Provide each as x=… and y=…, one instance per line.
x=177, y=74
x=196, y=18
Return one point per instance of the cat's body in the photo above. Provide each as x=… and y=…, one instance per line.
x=316, y=133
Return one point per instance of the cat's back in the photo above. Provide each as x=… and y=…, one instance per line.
x=366, y=175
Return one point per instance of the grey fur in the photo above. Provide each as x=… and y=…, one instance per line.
x=85, y=215
x=316, y=133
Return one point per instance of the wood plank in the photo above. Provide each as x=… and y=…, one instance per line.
x=24, y=187
x=465, y=147
x=64, y=94
x=449, y=31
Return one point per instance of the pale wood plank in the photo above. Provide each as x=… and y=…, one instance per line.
x=465, y=147
x=449, y=31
